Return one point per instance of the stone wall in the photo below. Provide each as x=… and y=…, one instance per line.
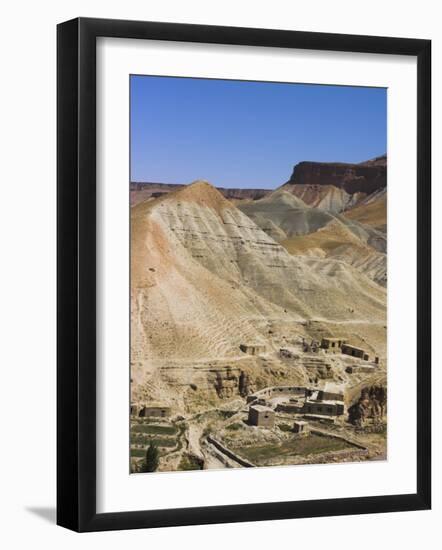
x=277, y=390
x=290, y=408
x=230, y=453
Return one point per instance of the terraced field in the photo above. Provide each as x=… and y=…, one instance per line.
x=145, y=432
x=314, y=444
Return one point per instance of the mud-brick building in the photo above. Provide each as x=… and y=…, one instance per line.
x=252, y=349
x=261, y=416
x=355, y=369
x=135, y=410
x=333, y=344
x=354, y=351
x=328, y=394
x=323, y=408
x=290, y=407
x=301, y=427
x=158, y=411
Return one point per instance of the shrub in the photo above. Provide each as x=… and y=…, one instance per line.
x=151, y=460
x=285, y=427
x=190, y=462
x=234, y=427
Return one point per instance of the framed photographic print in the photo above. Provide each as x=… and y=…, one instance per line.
x=243, y=274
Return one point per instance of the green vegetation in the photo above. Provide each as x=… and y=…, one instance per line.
x=235, y=426
x=145, y=433
x=152, y=459
x=158, y=441
x=137, y=453
x=226, y=414
x=154, y=429
x=208, y=429
x=189, y=462
x=285, y=427
x=313, y=444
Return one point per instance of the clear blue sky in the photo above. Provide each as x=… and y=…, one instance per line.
x=248, y=134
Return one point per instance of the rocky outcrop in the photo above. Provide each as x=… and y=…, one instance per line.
x=372, y=403
x=377, y=161
x=244, y=384
x=366, y=177
x=226, y=383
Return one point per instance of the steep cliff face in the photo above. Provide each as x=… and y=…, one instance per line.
x=353, y=178
x=336, y=186
x=377, y=161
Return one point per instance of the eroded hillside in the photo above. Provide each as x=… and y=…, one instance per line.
x=309, y=231
x=206, y=279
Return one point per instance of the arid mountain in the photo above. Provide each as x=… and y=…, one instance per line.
x=372, y=211
x=337, y=186
x=308, y=231
x=206, y=278
x=141, y=191
x=377, y=161
x=325, y=197
x=366, y=177
x=336, y=240
x=282, y=215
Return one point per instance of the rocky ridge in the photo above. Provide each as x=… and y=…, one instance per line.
x=337, y=186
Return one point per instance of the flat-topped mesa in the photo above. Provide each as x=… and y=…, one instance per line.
x=200, y=192
x=376, y=161
x=366, y=177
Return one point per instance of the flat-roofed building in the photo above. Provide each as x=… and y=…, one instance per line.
x=347, y=349
x=332, y=344
x=291, y=407
x=323, y=408
x=354, y=369
x=261, y=416
x=330, y=392
x=159, y=411
x=252, y=349
x=301, y=427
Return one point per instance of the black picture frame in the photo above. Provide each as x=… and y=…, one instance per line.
x=77, y=287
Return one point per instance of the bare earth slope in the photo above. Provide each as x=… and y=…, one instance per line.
x=305, y=230
x=324, y=197
x=372, y=211
x=336, y=241
x=283, y=215
x=205, y=278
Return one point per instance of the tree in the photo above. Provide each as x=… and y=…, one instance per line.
x=151, y=460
